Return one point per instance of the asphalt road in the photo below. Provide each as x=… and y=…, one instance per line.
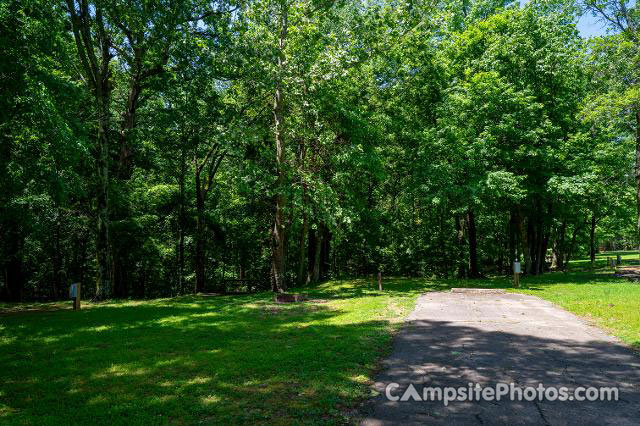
x=453, y=339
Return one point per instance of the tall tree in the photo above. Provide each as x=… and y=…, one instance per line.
x=278, y=231
x=623, y=17
x=95, y=53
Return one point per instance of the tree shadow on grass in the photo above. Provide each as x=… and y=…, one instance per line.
x=368, y=287
x=215, y=360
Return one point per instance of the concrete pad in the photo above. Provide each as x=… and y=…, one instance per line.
x=456, y=338
x=477, y=290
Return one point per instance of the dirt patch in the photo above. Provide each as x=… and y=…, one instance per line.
x=35, y=308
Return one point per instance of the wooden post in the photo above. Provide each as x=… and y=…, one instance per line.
x=74, y=292
x=379, y=280
x=516, y=274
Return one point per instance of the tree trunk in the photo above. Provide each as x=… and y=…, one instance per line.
x=530, y=244
x=524, y=242
x=504, y=246
x=122, y=261
x=241, y=265
x=325, y=262
x=544, y=245
x=278, y=246
x=103, y=243
x=97, y=74
x=181, y=254
x=334, y=267
x=181, y=219
x=13, y=276
x=120, y=265
x=517, y=231
x=311, y=254
x=14, y=279
x=638, y=169
x=56, y=259
x=542, y=238
x=278, y=229
x=125, y=164
x=592, y=240
x=442, y=245
x=512, y=249
x=571, y=246
x=558, y=247
x=302, y=256
x=462, y=270
x=473, y=245
x=317, y=252
x=200, y=235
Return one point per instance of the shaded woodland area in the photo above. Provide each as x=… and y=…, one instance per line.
x=154, y=148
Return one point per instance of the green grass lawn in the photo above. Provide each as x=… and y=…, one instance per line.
x=194, y=359
x=232, y=359
x=628, y=257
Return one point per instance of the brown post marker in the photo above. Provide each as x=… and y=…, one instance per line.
x=74, y=293
x=379, y=280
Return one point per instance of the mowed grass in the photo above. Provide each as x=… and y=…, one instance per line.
x=192, y=360
x=241, y=359
x=627, y=257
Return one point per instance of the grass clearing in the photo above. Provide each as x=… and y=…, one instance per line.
x=225, y=359
x=231, y=359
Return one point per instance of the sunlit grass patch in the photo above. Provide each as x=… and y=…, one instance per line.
x=201, y=359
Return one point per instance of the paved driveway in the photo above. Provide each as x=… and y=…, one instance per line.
x=453, y=339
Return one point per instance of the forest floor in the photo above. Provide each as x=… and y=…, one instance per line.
x=232, y=359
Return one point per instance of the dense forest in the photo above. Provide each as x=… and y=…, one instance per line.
x=158, y=147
